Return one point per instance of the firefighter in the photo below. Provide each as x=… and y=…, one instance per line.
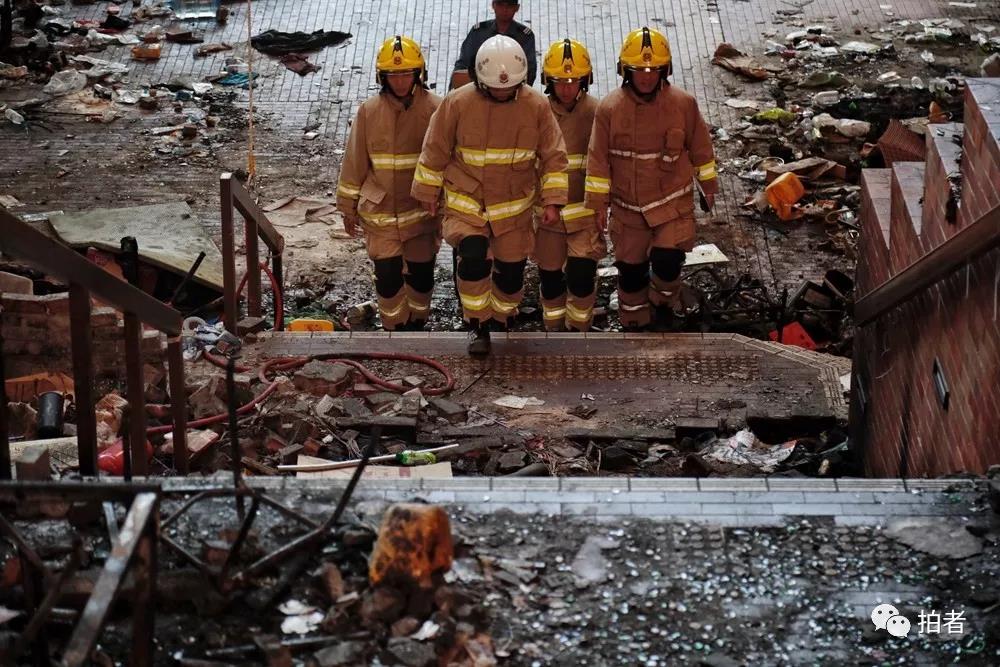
x=493, y=150
x=402, y=238
x=649, y=147
x=567, y=251
x=503, y=23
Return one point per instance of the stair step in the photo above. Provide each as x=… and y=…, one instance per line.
x=981, y=150
x=876, y=209
x=942, y=183
x=907, y=208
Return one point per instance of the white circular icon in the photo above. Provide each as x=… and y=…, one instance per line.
x=881, y=615
x=898, y=626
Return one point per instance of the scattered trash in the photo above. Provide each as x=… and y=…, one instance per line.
x=517, y=402
x=298, y=63
x=848, y=127
x=590, y=567
x=65, y=82
x=783, y=193
x=775, y=115
x=13, y=116
x=866, y=48
x=208, y=49
x=275, y=42
x=745, y=449
x=825, y=80
x=729, y=57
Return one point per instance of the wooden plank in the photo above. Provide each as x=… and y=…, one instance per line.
x=23, y=242
x=83, y=379
x=116, y=568
x=178, y=403
x=965, y=246
x=136, y=395
x=249, y=208
x=229, y=296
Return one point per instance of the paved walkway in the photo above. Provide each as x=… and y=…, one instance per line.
x=726, y=502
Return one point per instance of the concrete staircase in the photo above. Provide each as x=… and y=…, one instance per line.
x=920, y=368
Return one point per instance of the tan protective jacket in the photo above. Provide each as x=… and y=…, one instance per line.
x=576, y=126
x=643, y=156
x=381, y=156
x=493, y=160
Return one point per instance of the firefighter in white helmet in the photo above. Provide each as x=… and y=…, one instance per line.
x=650, y=147
x=492, y=151
x=375, y=180
x=567, y=251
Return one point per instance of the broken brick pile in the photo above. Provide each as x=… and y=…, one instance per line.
x=36, y=337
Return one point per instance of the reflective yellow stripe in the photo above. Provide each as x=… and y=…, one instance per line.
x=462, y=203
x=575, y=212
x=418, y=307
x=428, y=176
x=348, y=190
x=553, y=313
x=576, y=161
x=503, y=307
x=473, y=302
x=643, y=156
x=466, y=204
x=395, y=312
x=509, y=209
x=388, y=219
x=394, y=161
x=478, y=158
x=555, y=180
x=706, y=172
x=577, y=314
x=598, y=185
x=653, y=204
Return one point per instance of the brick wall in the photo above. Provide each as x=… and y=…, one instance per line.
x=902, y=427
x=36, y=337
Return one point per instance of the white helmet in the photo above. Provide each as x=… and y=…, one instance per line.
x=501, y=63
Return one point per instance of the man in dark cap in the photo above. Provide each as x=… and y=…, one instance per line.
x=502, y=24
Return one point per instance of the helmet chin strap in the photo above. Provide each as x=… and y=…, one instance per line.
x=485, y=90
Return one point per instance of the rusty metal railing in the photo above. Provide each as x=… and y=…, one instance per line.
x=21, y=241
x=133, y=554
x=256, y=227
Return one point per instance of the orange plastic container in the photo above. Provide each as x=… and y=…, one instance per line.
x=303, y=324
x=414, y=542
x=783, y=193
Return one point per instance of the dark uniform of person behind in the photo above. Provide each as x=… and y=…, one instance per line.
x=503, y=24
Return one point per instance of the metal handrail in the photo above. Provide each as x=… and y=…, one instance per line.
x=256, y=227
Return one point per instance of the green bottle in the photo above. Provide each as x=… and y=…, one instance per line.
x=408, y=457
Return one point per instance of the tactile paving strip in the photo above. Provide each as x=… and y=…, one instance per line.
x=701, y=367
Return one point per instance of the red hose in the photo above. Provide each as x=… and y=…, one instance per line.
x=279, y=302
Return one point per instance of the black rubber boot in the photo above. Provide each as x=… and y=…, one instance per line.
x=479, y=341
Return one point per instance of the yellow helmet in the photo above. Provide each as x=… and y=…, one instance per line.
x=568, y=59
x=400, y=54
x=645, y=49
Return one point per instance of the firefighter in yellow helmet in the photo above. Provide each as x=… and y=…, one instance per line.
x=649, y=149
x=567, y=250
x=375, y=180
x=492, y=151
